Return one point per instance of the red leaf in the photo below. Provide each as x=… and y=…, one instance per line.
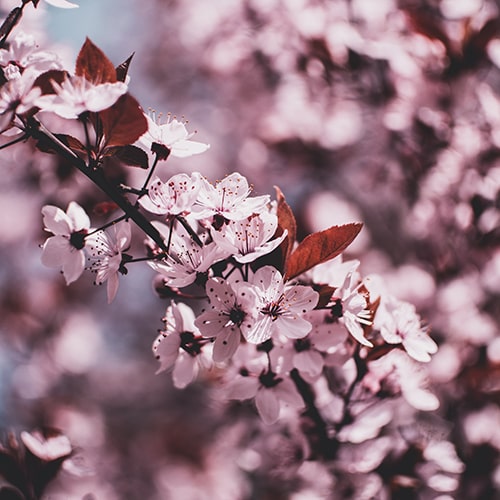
x=124, y=122
x=286, y=220
x=131, y=156
x=44, y=81
x=122, y=69
x=93, y=65
x=320, y=247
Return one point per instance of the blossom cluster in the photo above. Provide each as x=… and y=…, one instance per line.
x=267, y=308
x=266, y=317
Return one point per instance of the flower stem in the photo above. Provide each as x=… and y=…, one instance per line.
x=37, y=131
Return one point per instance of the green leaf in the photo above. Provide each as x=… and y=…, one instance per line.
x=320, y=247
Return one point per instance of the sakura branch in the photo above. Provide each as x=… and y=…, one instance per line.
x=270, y=320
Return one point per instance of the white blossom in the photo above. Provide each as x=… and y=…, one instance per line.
x=65, y=249
x=105, y=254
x=172, y=134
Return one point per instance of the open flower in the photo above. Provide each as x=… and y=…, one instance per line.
x=281, y=307
x=399, y=323
x=170, y=138
x=174, y=197
x=77, y=94
x=23, y=52
x=187, y=259
x=179, y=345
x=352, y=306
x=231, y=305
x=228, y=198
x=269, y=390
x=65, y=249
x=105, y=255
x=248, y=239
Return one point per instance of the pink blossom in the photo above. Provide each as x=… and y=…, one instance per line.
x=171, y=135
x=354, y=312
x=248, y=239
x=76, y=95
x=23, y=53
x=228, y=198
x=174, y=197
x=178, y=346
x=65, y=249
x=186, y=258
x=400, y=324
x=281, y=307
x=105, y=255
x=269, y=391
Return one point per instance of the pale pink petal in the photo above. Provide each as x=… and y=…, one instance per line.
x=112, y=286
x=73, y=266
x=242, y=388
x=210, y=323
x=310, y=362
x=55, y=250
x=166, y=350
x=103, y=96
x=258, y=332
x=184, y=148
x=185, y=370
x=226, y=344
x=56, y=221
x=287, y=392
x=268, y=405
x=47, y=449
x=62, y=4
x=294, y=327
x=79, y=218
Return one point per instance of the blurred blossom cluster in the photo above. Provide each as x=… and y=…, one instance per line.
x=307, y=241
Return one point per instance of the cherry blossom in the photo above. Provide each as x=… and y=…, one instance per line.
x=17, y=96
x=248, y=239
x=351, y=307
x=281, y=307
x=65, y=249
x=174, y=197
x=228, y=198
x=179, y=345
x=232, y=304
x=187, y=259
x=76, y=95
x=398, y=373
x=399, y=323
x=105, y=249
x=169, y=138
x=23, y=53
x=269, y=391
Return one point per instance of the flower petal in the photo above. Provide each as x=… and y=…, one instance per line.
x=226, y=344
x=268, y=405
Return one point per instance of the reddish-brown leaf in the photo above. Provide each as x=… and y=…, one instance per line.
x=93, y=65
x=129, y=155
x=44, y=81
x=124, y=122
x=122, y=69
x=320, y=247
x=325, y=294
x=286, y=221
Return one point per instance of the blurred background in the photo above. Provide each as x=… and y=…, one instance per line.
x=385, y=112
